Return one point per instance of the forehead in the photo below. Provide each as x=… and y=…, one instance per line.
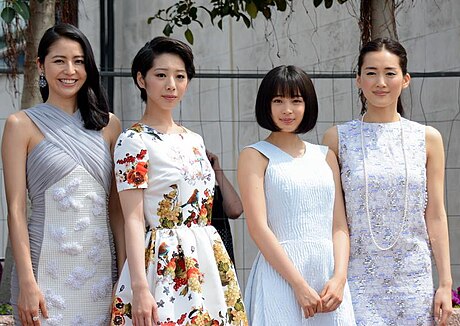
x=66, y=47
x=382, y=58
x=168, y=61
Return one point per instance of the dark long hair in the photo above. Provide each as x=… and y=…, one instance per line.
x=91, y=98
x=391, y=46
x=143, y=61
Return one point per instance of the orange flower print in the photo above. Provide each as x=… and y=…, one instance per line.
x=138, y=175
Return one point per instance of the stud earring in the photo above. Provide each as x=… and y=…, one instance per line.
x=42, y=81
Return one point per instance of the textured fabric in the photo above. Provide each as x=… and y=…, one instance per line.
x=388, y=287
x=299, y=194
x=68, y=179
x=220, y=222
x=188, y=269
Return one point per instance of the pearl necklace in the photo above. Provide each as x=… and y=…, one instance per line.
x=366, y=186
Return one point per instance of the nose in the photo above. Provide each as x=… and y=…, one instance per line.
x=171, y=84
x=70, y=68
x=380, y=80
x=287, y=108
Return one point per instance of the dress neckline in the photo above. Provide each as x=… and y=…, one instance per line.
x=286, y=153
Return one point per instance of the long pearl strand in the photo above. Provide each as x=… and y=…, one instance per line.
x=366, y=185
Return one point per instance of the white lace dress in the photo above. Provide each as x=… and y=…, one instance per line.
x=394, y=286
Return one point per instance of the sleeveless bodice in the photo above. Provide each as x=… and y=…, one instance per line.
x=403, y=272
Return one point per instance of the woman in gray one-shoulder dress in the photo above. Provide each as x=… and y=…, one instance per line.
x=60, y=153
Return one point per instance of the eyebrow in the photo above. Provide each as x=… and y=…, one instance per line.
x=63, y=56
x=166, y=69
x=375, y=68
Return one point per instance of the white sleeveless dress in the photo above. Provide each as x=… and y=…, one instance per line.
x=299, y=194
x=394, y=286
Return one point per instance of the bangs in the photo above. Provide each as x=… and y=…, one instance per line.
x=289, y=86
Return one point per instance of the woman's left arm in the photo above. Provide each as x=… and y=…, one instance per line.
x=332, y=293
x=436, y=222
x=115, y=212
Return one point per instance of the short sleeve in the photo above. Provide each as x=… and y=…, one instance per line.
x=131, y=161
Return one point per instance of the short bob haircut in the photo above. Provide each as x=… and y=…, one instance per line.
x=91, y=98
x=286, y=81
x=143, y=61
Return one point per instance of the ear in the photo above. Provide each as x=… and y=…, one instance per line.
x=406, y=80
x=358, y=81
x=140, y=80
x=39, y=66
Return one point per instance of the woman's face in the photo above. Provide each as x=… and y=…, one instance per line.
x=382, y=80
x=165, y=83
x=64, y=69
x=287, y=112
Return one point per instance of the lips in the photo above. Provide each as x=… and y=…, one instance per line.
x=170, y=97
x=380, y=93
x=68, y=81
x=287, y=121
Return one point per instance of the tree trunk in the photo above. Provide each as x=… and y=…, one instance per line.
x=383, y=19
x=377, y=19
x=41, y=18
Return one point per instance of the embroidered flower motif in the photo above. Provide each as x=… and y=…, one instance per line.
x=71, y=248
x=82, y=224
x=98, y=204
x=79, y=276
x=94, y=254
x=58, y=234
x=52, y=269
x=64, y=198
x=54, y=300
x=100, y=236
x=102, y=289
x=55, y=320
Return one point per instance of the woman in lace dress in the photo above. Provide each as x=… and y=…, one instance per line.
x=177, y=271
x=392, y=173
x=60, y=153
x=293, y=203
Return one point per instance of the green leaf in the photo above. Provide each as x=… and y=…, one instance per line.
x=328, y=3
x=149, y=20
x=317, y=2
x=281, y=5
x=8, y=14
x=189, y=36
x=22, y=9
x=251, y=9
x=167, y=30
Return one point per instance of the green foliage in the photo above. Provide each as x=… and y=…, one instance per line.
x=185, y=12
x=6, y=309
x=14, y=8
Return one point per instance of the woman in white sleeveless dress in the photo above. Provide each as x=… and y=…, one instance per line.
x=294, y=208
x=392, y=173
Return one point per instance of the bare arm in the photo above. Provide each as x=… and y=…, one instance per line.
x=231, y=202
x=144, y=307
x=436, y=222
x=331, y=140
x=17, y=137
x=111, y=133
x=251, y=171
x=332, y=293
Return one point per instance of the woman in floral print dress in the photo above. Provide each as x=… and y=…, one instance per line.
x=177, y=271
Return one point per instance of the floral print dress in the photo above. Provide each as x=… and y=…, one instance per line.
x=188, y=269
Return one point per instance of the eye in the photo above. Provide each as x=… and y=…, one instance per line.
x=181, y=76
x=370, y=73
x=79, y=62
x=391, y=73
x=58, y=61
x=297, y=100
x=160, y=75
x=277, y=100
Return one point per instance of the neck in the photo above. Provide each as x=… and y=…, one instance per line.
x=68, y=106
x=161, y=120
x=285, y=140
x=381, y=116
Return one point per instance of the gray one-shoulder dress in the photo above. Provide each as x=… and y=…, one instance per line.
x=68, y=181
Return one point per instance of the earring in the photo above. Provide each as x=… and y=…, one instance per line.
x=42, y=81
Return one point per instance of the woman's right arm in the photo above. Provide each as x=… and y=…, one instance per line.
x=251, y=171
x=15, y=142
x=144, y=307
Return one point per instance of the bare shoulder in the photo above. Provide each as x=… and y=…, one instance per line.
x=20, y=124
x=331, y=159
x=250, y=158
x=112, y=130
x=433, y=140
x=331, y=139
